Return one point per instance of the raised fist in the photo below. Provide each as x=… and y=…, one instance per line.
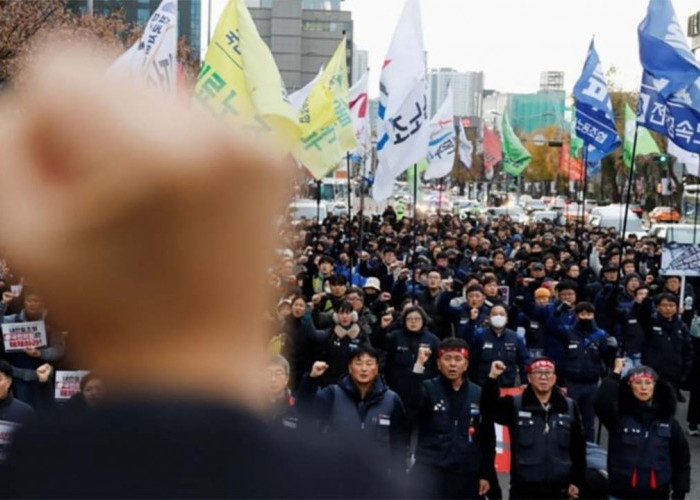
x=423, y=354
x=7, y=297
x=318, y=369
x=619, y=365
x=497, y=369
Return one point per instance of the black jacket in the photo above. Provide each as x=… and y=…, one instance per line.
x=503, y=410
x=401, y=353
x=620, y=412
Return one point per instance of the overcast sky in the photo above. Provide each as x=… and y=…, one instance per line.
x=511, y=41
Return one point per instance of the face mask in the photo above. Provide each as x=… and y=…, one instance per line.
x=498, y=321
x=585, y=324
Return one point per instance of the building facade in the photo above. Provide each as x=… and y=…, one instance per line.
x=360, y=63
x=467, y=88
x=552, y=80
x=139, y=11
x=302, y=35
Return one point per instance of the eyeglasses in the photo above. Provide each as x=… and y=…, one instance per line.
x=539, y=374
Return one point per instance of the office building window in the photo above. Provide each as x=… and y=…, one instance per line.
x=321, y=4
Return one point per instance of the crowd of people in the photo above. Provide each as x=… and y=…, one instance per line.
x=538, y=327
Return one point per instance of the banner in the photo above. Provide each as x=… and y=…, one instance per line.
x=669, y=98
x=358, y=102
x=690, y=160
x=442, y=145
x=7, y=430
x=645, y=142
x=402, y=130
x=679, y=259
x=492, y=152
x=515, y=157
x=465, y=147
x=570, y=167
x=326, y=125
x=21, y=336
x=68, y=383
x=153, y=57
x=595, y=121
x=239, y=80
x=297, y=99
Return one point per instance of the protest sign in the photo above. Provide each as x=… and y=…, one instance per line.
x=68, y=383
x=21, y=336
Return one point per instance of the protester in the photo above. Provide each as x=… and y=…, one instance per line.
x=648, y=454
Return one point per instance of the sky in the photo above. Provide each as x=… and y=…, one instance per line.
x=511, y=41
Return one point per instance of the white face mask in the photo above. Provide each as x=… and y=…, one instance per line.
x=498, y=321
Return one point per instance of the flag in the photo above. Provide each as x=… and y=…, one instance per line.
x=465, y=148
x=669, y=98
x=297, y=99
x=595, y=121
x=153, y=57
x=593, y=168
x=690, y=160
x=645, y=142
x=403, y=131
x=492, y=152
x=239, y=80
x=442, y=145
x=515, y=157
x=326, y=124
x=358, y=101
x=570, y=166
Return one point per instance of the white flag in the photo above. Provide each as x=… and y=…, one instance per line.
x=465, y=147
x=358, y=100
x=403, y=131
x=154, y=56
x=297, y=99
x=690, y=160
x=441, y=149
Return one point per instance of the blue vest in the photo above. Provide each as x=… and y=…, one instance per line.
x=366, y=422
x=583, y=362
x=639, y=458
x=444, y=442
x=541, y=445
x=503, y=348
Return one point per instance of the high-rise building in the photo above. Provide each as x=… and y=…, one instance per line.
x=360, y=62
x=139, y=11
x=467, y=88
x=373, y=114
x=302, y=35
x=552, y=80
x=694, y=33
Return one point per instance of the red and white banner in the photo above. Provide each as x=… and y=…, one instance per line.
x=492, y=151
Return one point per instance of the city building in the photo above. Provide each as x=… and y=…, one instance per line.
x=302, y=35
x=531, y=112
x=139, y=11
x=373, y=114
x=494, y=105
x=467, y=88
x=552, y=80
x=360, y=63
x=694, y=33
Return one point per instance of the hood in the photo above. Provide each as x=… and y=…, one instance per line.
x=663, y=404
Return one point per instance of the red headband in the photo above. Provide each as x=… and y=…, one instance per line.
x=642, y=375
x=542, y=364
x=464, y=352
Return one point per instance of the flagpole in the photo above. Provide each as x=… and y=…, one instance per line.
x=629, y=182
x=318, y=206
x=349, y=221
x=362, y=207
x=695, y=211
x=415, y=229
x=442, y=185
x=583, y=206
x=579, y=222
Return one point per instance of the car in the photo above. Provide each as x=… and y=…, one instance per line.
x=306, y=209
x=337, y=207
x=664, y=214
x=516, y=213
x=535, y=205
x=544, y=215
x=614, y=216
x=675, y=233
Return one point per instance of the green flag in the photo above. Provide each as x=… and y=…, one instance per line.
x=645, y=142
x=515, y=157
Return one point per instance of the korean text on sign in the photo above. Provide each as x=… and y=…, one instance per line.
x=20, y=336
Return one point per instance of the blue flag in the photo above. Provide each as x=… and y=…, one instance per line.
x=593, y=168
x=669, y=98
x=595, y=122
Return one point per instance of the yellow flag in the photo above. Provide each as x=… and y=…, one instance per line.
x=239, y=80
x=326, y=125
